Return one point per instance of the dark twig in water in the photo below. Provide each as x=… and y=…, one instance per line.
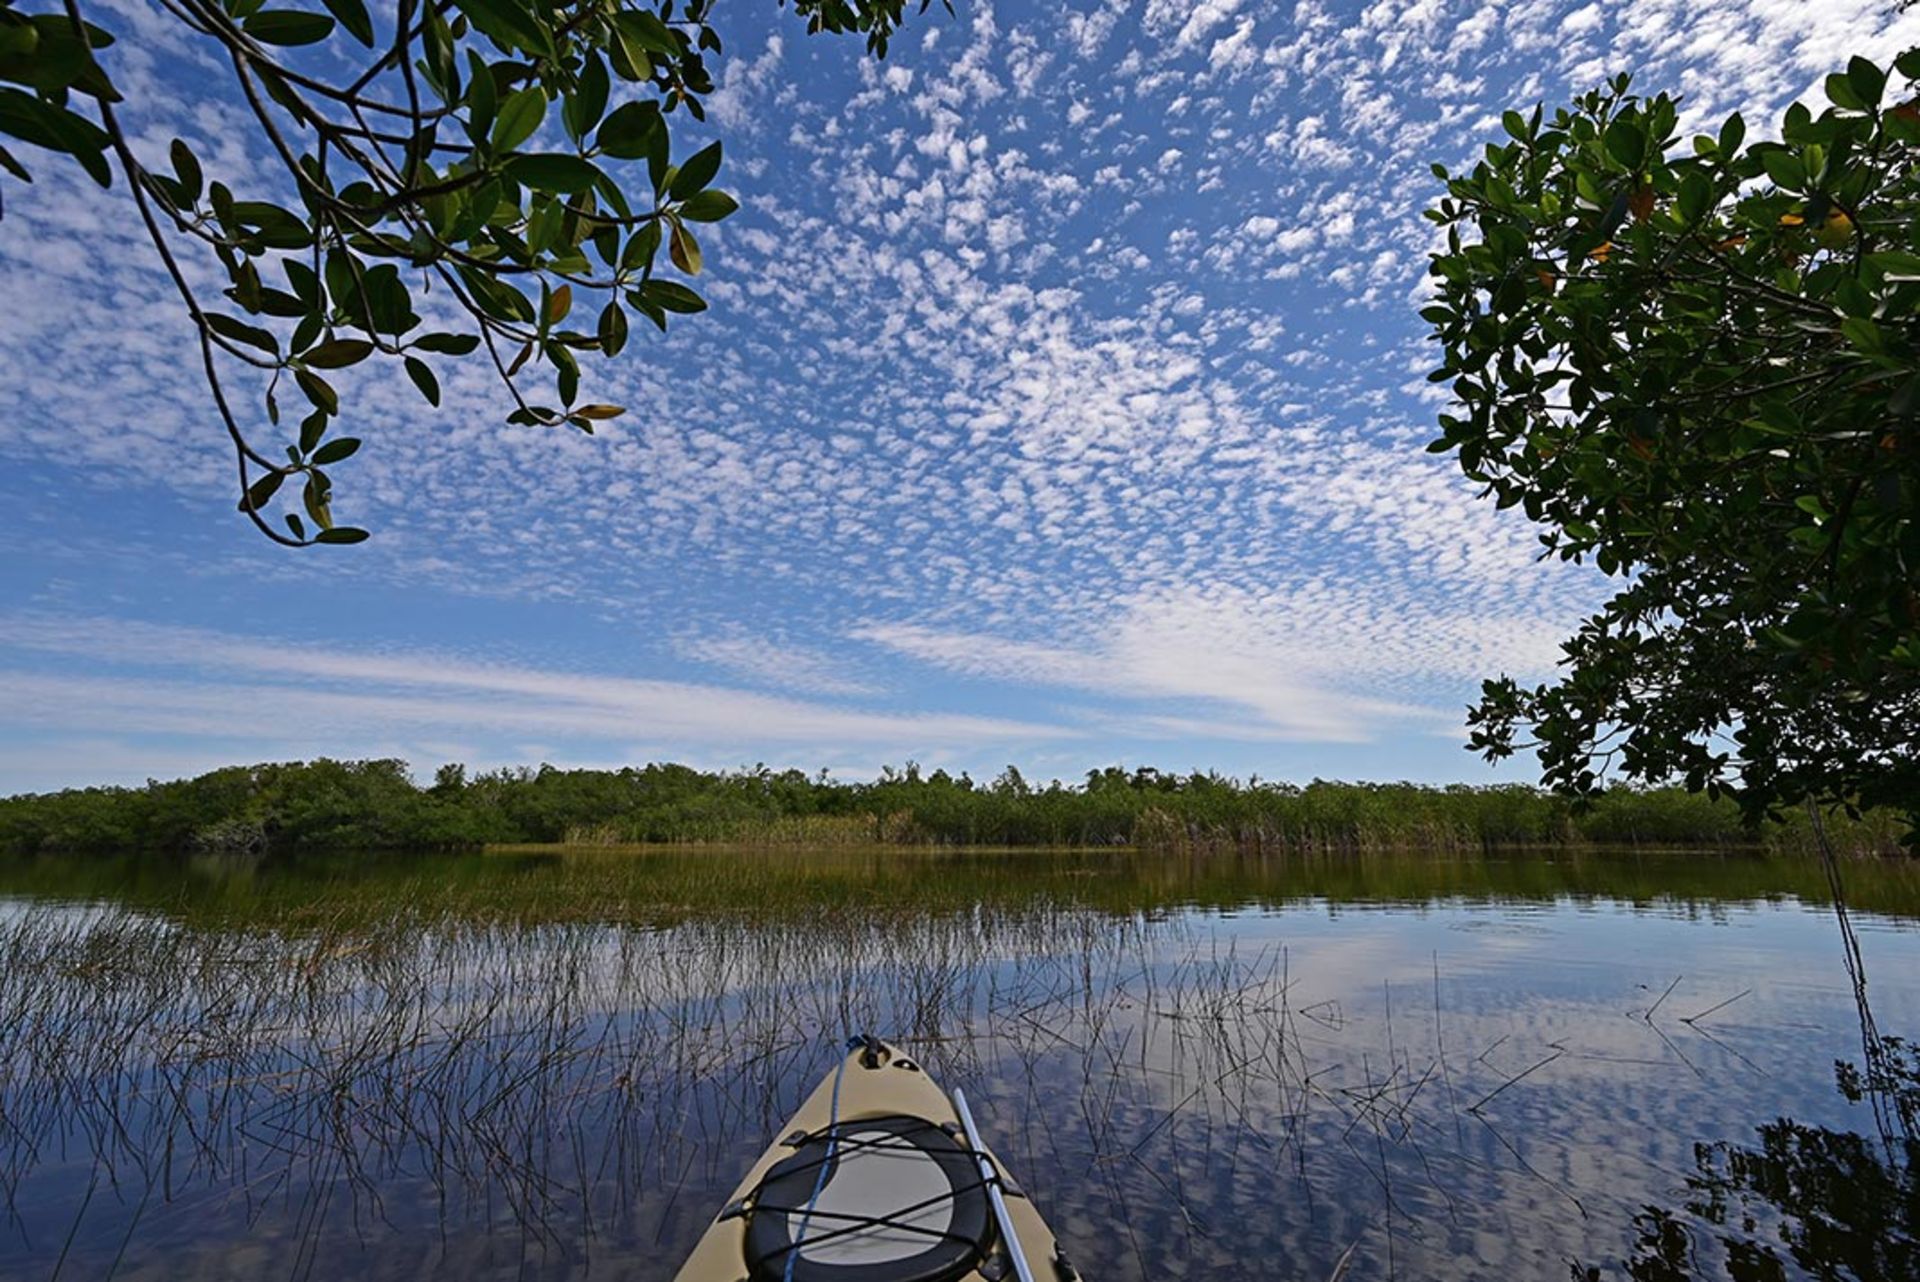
x=1522, y=1075
x=1663, y=998
x=1717, y=1006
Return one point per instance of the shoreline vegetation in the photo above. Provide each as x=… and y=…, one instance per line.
x=370, y=805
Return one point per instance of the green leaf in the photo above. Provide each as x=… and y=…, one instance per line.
x=1732, y=133
x=354, y=17
x=1627, y=143
x=600, y=413
x=483, y=97
x=306, y=332
x=585, y=105
x=684, y=250
x=333, y=451
x=519, y=118
x=648, y=31
x=606, y=243
x=641, y=247
x=1841, y=93
x=274, y=227
x=48, y=55
x=552, y=171
x=447, y=344
x=1695, y=197
x=1906, y=400
x=696, y=172
x=312, y=428
x=298, y=526
x=228, y=327
x=18, y=36
x=708, y=207
x=511, y=24
x=44, y=124
x=436, y=43
x=422, y=375
x=1864, y=334
x=306, y=286
x=288, y=27
x=314, y=497
x=341, y=534
x=320, y=392
x=187, y=168
x=671, y=296
x=612, y=330
x=1895, y=264
x=567, y=377
x=495, y=297
x=1868, y=81
x=630, y=61
x=1786, y=169
x=261, y=490
x=633, y=130
x=651, y=311
x=389, y=307
x=338, y=353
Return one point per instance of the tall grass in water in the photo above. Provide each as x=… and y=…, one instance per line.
x=297, y=1089
x=524, y=1093
x=582, y=1091
x=815, y=832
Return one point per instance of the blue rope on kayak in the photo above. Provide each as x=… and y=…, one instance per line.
x=826, y=1165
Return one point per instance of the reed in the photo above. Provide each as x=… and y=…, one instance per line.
x=505, y=1065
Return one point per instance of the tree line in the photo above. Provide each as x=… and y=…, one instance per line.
x=337, y=805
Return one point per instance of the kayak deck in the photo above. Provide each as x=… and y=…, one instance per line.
x=874, y=1180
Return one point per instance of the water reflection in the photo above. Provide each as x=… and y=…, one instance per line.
x=1804, y=1201
x=555, y=1068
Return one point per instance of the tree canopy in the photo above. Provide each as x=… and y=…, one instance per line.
x=492, y=163
x=324, y=804
x=1696, y=362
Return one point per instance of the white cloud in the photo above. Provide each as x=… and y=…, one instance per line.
x=779, y=664
x=1313, y=663
x=271, y=689
x=736, y=101
x=968, y=371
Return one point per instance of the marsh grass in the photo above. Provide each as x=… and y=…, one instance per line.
x=535, y=1065
x=546, y=1063
x=543, y=1077
x=656, y=886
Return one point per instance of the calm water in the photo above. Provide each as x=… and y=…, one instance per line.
x=531, y=1066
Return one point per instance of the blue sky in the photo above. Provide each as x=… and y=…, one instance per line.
x=1062, y=403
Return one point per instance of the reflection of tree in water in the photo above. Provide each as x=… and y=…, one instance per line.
x=1805, y=1202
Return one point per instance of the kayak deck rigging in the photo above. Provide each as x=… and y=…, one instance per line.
x=880, y=1178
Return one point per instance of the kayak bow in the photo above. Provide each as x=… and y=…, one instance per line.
x=879, y=1178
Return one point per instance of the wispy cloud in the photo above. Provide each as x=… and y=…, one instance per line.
x=1311, y=664
x=238, y=687
x=773, y=662
x=1073, y=352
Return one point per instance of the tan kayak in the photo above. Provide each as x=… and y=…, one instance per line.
x=878, y=1178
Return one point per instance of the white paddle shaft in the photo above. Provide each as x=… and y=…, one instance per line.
x=992, y=1178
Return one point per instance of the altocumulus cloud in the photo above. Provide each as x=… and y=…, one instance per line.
x=1062, y=394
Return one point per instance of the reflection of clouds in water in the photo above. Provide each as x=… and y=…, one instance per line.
x=1189, y=1094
